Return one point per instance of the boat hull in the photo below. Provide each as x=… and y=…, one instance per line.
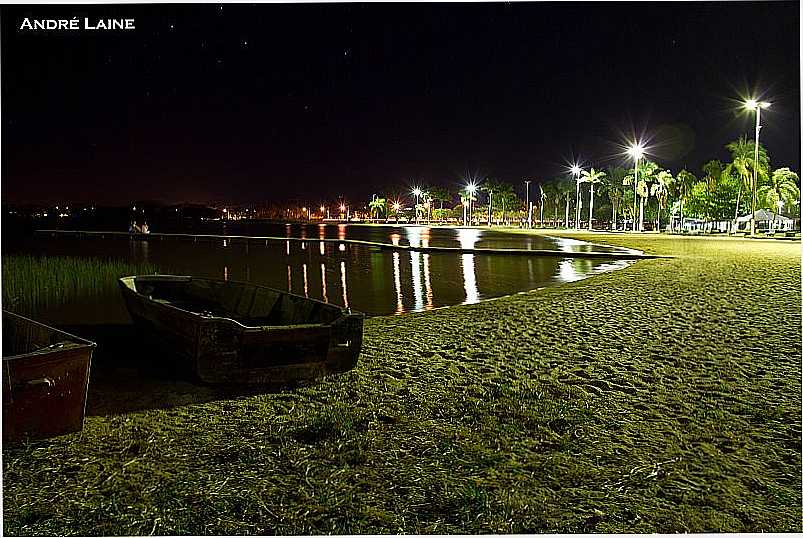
x=218, y=349
x=45, y=380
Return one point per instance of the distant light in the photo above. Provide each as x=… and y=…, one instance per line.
x=576, y=170
x=753, y=104
x=471, y=188
x=342, y=207
x=323, y=209
x=636, y=151
x=396, y=206
x=416, y=192
x=304, y=209
x=225, y=210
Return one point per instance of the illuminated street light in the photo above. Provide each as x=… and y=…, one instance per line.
x=637, y=152
x=471, y=188
x=752, y=104
x=417, y=194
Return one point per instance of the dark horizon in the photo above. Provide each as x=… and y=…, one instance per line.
x=312, y=102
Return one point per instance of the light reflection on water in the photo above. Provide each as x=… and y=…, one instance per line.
x=361, y=277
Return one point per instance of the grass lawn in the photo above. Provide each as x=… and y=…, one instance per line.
x=663, y=397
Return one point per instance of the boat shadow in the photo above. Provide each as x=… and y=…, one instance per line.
x=129, y=374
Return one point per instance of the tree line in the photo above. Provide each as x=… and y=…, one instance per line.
x=620, y=197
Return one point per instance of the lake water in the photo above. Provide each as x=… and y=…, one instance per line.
x=362, y=277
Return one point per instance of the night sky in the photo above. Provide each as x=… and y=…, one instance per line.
x=255, y=103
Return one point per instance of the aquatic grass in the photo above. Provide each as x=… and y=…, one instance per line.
x=34, y=283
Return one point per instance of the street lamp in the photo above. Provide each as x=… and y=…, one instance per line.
x=471, y=188
x=576, y=170
x=416, y=193
x=637, y=152
x=752, y=104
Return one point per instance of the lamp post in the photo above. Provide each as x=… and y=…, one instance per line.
x=471, y=188
x=636, y=151
x=752, y=104
x=576, y=173
x=417, y=194
x=527, y=206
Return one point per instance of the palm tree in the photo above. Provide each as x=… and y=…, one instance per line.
x=614, y=184
x=506, y=197
x=549, y=193
x=565, y=187
x=499, y=193
x=660, y=189
x=543, y=201
x=646, y=172
x=592, y=176
x=713, y=177
x=742, y=165
x=440, y=194
x=467, y=198
x=783, y=188
x=681, y=187
x=377, y=206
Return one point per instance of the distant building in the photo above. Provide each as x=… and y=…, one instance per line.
x=765, y=220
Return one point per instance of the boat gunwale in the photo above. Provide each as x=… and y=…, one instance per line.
x=82, y=343
x=345, y=312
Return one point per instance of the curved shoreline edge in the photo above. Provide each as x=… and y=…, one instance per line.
x=625, y=254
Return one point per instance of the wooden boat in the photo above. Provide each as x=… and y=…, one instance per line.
x=236, y=332
x=45, y=379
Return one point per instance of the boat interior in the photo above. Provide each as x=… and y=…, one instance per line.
x=22, y=336
x=248, y=304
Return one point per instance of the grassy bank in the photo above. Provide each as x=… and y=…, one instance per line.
x=32, y=283
x=662, y=397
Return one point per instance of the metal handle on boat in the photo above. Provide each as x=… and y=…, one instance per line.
x=41, y=386
x=44, y=381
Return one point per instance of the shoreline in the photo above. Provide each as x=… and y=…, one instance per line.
x=662, y=397
x=622, y=254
